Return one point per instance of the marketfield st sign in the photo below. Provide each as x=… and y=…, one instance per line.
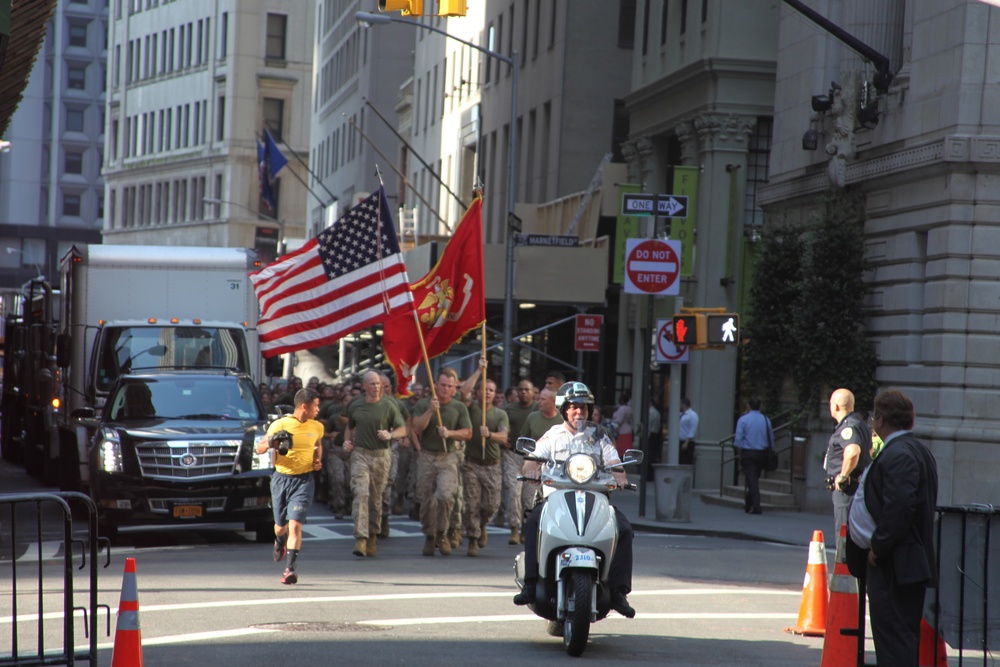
x=652, y=267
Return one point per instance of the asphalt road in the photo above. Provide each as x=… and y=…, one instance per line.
x=212, y=596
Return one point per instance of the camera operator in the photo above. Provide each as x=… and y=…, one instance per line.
x=292, y=484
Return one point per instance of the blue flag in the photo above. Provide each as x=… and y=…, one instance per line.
x=270, y=161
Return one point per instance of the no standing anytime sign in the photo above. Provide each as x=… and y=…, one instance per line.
x=652, y=267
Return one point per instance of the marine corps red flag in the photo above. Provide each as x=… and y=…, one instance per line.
x=450, y=301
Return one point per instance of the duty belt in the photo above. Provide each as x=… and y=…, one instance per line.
x=483, y=462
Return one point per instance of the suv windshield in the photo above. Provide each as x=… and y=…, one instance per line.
x=125, y=349
x=201, y=397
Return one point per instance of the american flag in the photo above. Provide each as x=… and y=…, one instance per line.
x=349, y=277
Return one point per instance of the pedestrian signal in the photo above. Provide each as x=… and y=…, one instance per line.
x=687, y=330
x=722, y=329
x=407, y=7
x=451, y=8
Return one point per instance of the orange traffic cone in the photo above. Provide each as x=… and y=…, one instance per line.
x=840, y=649
x=128, y=639
x=812, y=611
x=929, y=655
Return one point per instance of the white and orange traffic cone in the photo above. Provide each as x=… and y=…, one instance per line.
x=840, y=649
x=127, y=651
x=815, y=594
x=932, y=647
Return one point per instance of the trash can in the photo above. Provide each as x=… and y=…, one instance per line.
x=673, y=491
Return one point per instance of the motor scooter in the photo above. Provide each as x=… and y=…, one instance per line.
x=578, y=534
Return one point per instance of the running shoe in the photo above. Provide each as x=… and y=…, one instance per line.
x=289, y=577
x=279, y=549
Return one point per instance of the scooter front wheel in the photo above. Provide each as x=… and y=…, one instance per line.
x=576, y=629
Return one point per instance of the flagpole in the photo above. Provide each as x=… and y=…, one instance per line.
x=333, y=197
x=482, y=379
x=304, y=184
x=430, y=374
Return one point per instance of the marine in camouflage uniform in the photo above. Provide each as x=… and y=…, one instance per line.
x=482, y=477
x=517, y=413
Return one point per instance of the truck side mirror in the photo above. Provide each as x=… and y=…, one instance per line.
x=62, y=350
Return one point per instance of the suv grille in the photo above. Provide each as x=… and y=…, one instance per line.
x=188, y=460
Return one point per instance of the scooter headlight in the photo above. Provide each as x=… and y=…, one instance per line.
x=581, y=468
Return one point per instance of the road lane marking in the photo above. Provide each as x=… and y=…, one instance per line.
x=190, y=637
x=674, y=616
x=218, y=604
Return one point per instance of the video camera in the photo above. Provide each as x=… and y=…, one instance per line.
x=282, y=441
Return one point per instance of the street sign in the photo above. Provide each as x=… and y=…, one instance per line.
x=652, y=267
x=667, y=206
x=588, y=333
x=557, y=240
x=666, y=351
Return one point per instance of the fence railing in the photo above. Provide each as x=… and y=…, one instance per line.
x=33, y=639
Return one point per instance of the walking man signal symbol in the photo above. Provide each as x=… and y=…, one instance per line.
x=728, y=329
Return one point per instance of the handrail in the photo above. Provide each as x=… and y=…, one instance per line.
x=779, y=432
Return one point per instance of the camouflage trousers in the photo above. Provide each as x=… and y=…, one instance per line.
x=437, y=484
x=512, y=462
x=406, y=475
x=455, y=520
x=481, y=491
x=336, y=467
x=390, y=483
x=369, y=471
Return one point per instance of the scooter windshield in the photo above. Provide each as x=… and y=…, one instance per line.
x=590, y=438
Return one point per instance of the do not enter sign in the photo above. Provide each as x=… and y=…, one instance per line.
x=652, y=267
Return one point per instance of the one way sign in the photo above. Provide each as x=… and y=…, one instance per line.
x=668, y=206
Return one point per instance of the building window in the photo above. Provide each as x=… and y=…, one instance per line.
x=223, y=35
x=220, y=119
x=275, y=47
x=684, y=15
x=664, y=8
x=74, y=162
x=77, y=77
x=274, y=116
x=758, y=161
x=74, y=120
x=626, y=23
x=71, y=204
x=77, y=34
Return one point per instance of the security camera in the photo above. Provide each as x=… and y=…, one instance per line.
x=810, y=140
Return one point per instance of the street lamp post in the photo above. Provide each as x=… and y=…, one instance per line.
x=270, y=218
x=508, y=297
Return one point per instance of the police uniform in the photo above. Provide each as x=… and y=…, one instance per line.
x=852, y=429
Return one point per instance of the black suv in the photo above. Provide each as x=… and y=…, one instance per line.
x=176, y=446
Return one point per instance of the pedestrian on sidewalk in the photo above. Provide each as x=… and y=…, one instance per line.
x=847, y=454
x=687, y=432
x=753, y=436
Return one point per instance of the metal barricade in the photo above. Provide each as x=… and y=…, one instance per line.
x=33, y=645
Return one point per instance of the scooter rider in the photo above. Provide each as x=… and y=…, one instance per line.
x=576, y=404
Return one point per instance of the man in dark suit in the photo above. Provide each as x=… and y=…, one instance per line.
x=901, y=494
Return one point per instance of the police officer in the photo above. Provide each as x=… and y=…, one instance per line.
x=848, y=453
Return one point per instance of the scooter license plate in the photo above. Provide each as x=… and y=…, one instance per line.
x=583, y=558
x=188, y=511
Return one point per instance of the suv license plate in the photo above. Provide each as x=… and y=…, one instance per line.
x=188, y=511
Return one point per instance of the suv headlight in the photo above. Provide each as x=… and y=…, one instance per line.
x=109, y=449
x=580, y=468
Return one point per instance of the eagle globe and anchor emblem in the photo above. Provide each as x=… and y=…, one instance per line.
x=437, y=307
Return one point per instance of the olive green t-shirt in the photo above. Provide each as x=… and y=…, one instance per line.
x=366, y=419
x=455, y=416
x=537, y=424
x=496, y=420
x=518, y=415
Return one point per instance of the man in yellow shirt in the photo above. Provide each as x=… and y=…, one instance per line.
x=292, y=485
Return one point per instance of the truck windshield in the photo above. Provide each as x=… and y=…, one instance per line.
x=125, y=349
x=185, y=398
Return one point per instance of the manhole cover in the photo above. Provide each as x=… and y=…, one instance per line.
x=319, y=626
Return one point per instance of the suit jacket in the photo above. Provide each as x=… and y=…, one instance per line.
x=901, y=495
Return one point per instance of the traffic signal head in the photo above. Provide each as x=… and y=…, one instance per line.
x=722, y=329
x=451, y=8
x=407, y=7
x=687, y=330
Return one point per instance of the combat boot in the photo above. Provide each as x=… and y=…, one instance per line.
x=397, y=507
x=372, y=547
x=515, y=535
x=443, y=544
x=473, y=548
x=385, y=526
x=360, y=547
x=455, y=537
x=429, y=545
x=482, y=535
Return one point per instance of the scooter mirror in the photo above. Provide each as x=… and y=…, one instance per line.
x=633, y=456
x=525, y=445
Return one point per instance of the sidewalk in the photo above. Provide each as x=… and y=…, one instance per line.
x=795, y=528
